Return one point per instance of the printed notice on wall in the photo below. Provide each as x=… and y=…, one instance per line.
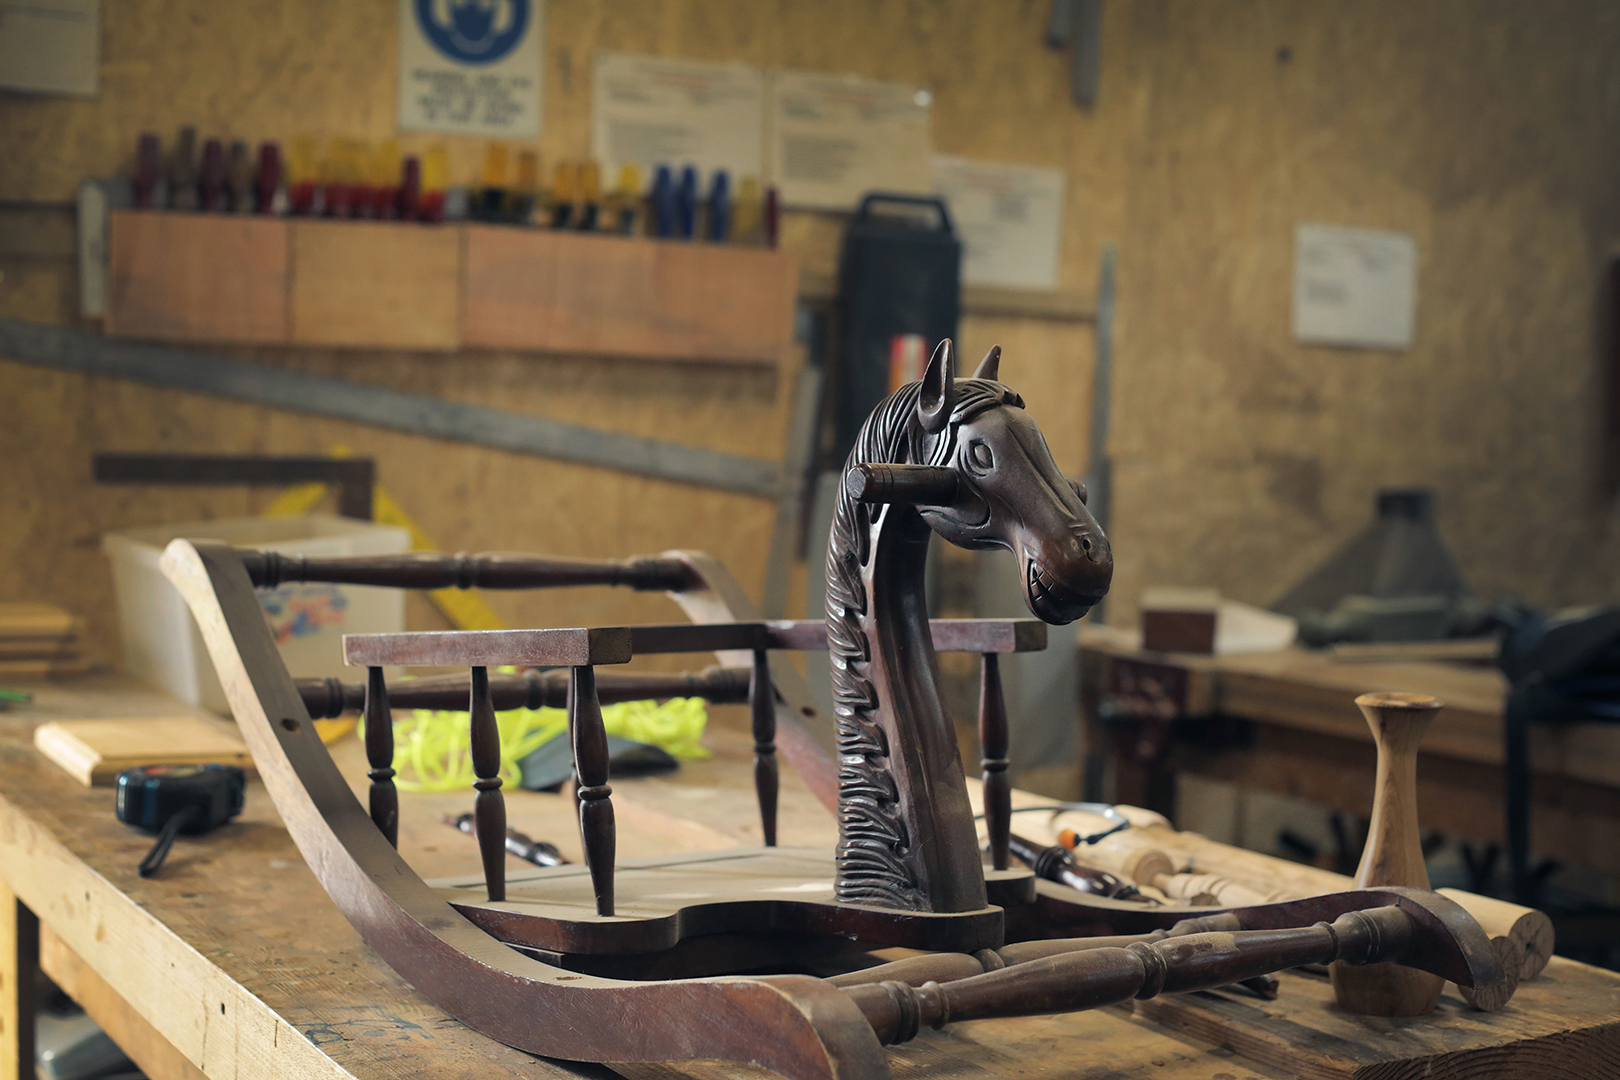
x=471, y=66
x=1355, y=287
x=835, y=138
x=50, y=46
x=648, y=111
x=1009, y=218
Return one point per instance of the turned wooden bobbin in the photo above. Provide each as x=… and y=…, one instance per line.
x=1394, y=853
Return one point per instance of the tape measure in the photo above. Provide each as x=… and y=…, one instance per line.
x=171, y=799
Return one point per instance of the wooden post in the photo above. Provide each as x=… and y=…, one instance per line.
x=762, y=706
x=19, y=965
x=591, y=765
x=489, y=807
x=1394, y=853
x=993, y=741
x=380, y=756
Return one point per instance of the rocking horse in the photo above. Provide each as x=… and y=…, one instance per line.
x=635, y=960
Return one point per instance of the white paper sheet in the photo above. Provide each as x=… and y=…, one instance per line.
x=835, y=138
x=1009, y=218
x=471, y=68
x=649, y=111
x=50, y=46
x=1355, y=287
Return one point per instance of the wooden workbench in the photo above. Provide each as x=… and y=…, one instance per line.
x=233, y=963
x=1306, y=738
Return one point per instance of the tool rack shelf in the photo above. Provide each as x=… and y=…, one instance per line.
x=258, y=280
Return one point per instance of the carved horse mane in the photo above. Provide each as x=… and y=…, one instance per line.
x=906, y=834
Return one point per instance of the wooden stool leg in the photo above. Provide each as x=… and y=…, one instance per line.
x=489, y=807
x=591, y=764
x=767, y=783
x=993, y=743
x=380, y=755
x=1394, y=853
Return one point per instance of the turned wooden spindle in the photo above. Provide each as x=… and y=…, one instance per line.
x=489, y=807
x=993, y=745
x=762, y=706
x=591, y=767
x=379, y=720
x=1394, y=853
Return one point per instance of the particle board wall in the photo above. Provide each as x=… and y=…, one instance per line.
x=1489, y=131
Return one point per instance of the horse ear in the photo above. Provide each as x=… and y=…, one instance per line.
x=990, y=366
x=938, y=390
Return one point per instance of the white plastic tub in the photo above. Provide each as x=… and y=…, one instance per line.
x=162, y=646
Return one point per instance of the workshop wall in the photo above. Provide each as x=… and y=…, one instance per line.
x=1489, y=131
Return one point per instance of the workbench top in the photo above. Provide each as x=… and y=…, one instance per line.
x=233, y=962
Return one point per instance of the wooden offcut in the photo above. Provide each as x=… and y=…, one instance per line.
x=197, y=277
x=576, y=293
x=375, y=284
x=94, y=752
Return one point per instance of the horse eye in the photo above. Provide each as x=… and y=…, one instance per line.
x=980, y=453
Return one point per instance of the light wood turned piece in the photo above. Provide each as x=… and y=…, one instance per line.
x=1394, y=853
x=1150, y=866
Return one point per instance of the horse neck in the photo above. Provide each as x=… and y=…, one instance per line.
x=906, y=833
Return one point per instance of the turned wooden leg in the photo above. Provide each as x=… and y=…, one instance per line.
x=993, y=743
x=595, y=803
x=762, y=705
x=489, y=807
x=380, y=755
x=1394, y=853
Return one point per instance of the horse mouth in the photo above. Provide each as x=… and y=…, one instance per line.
x=1052, y=601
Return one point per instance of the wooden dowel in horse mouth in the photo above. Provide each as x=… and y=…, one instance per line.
x=915, y=485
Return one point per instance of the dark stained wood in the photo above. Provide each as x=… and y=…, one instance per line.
x=949, y=635
x=815, y=1033
x=1091, y=978
x=907, y=838
x=379, y=722
x=330, y=698
x=489, y=806
x=1057, y=863
x=762, y=710
x=914, y=485
x=491, y=570
x=993, y=744
x=596, y=826
x=491, y=648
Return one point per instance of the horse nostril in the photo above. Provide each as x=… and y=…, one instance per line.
x=1085, y=543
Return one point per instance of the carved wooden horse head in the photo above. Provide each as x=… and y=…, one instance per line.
x=961, y=458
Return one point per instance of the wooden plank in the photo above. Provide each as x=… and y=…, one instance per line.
x=94, y=752
x=19, y=960
x=154, y=1055
x=574, y=293
x=375, y=284
x=197, y=277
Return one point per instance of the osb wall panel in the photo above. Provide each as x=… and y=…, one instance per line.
x=1489, y=131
